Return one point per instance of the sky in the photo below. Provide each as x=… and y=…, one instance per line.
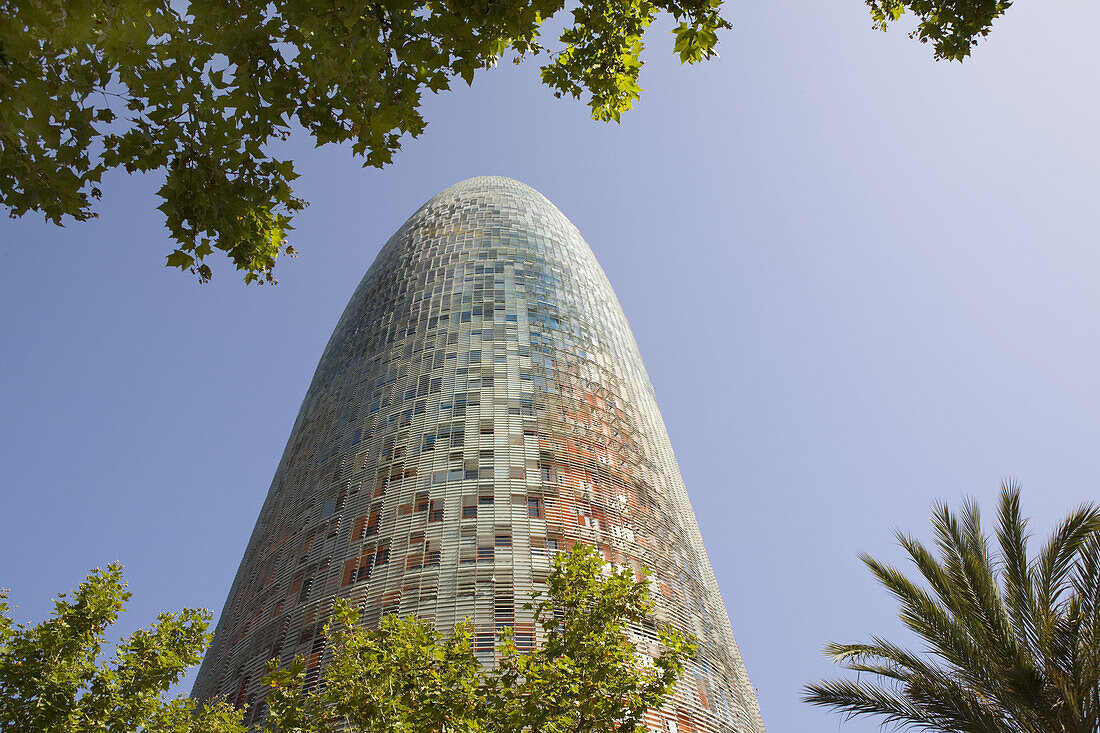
x=863, y=282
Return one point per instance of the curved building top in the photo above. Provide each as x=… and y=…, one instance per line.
x=481, y=405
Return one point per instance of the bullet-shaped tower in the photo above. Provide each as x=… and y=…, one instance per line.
x=481, y=405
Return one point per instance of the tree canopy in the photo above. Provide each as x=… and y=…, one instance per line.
x=953, y=27
x=204, y=95
x=53, y=677
x=587, y=675
x=1012, y=642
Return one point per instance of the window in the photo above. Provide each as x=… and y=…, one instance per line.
x=240, y=692
x=504, y=609
x=503, y=540
x=366, y=564
x=469, y=512
x=483, y=642
x=435, y=512
x=359, y=528
x=534, y=508
x=545, y=545
x=312, y=674
x=258, y=712
x=485, y=554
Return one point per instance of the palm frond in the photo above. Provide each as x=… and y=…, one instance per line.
x=1057, y=556
x=1019, y=593
x=857, y=698
x=1012, y=645
x=937, y=626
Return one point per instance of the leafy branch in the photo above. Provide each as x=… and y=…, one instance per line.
x=209, y=93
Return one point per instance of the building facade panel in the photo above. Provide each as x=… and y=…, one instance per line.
x=480, y=406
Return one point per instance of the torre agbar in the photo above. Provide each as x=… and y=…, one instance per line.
x=481, y=406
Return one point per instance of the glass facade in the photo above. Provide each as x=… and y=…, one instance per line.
x=481, y=405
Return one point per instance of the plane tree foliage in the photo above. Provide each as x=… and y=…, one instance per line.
x=953, y=27
x=587, y=675
x=203, y=93
x=53, y=675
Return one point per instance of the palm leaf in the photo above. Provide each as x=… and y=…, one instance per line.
x=1012, y=645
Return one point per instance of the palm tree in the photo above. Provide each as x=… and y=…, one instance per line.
x=1012, y=644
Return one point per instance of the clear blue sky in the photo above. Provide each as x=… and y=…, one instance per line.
x=862, y=281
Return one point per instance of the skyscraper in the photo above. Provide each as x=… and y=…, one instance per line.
x=481, y=405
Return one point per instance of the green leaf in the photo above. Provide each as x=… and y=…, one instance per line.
x=180, y=259
x=53, y=677
x=204, y=97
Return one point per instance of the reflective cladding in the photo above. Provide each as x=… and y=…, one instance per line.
x=480, y=406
